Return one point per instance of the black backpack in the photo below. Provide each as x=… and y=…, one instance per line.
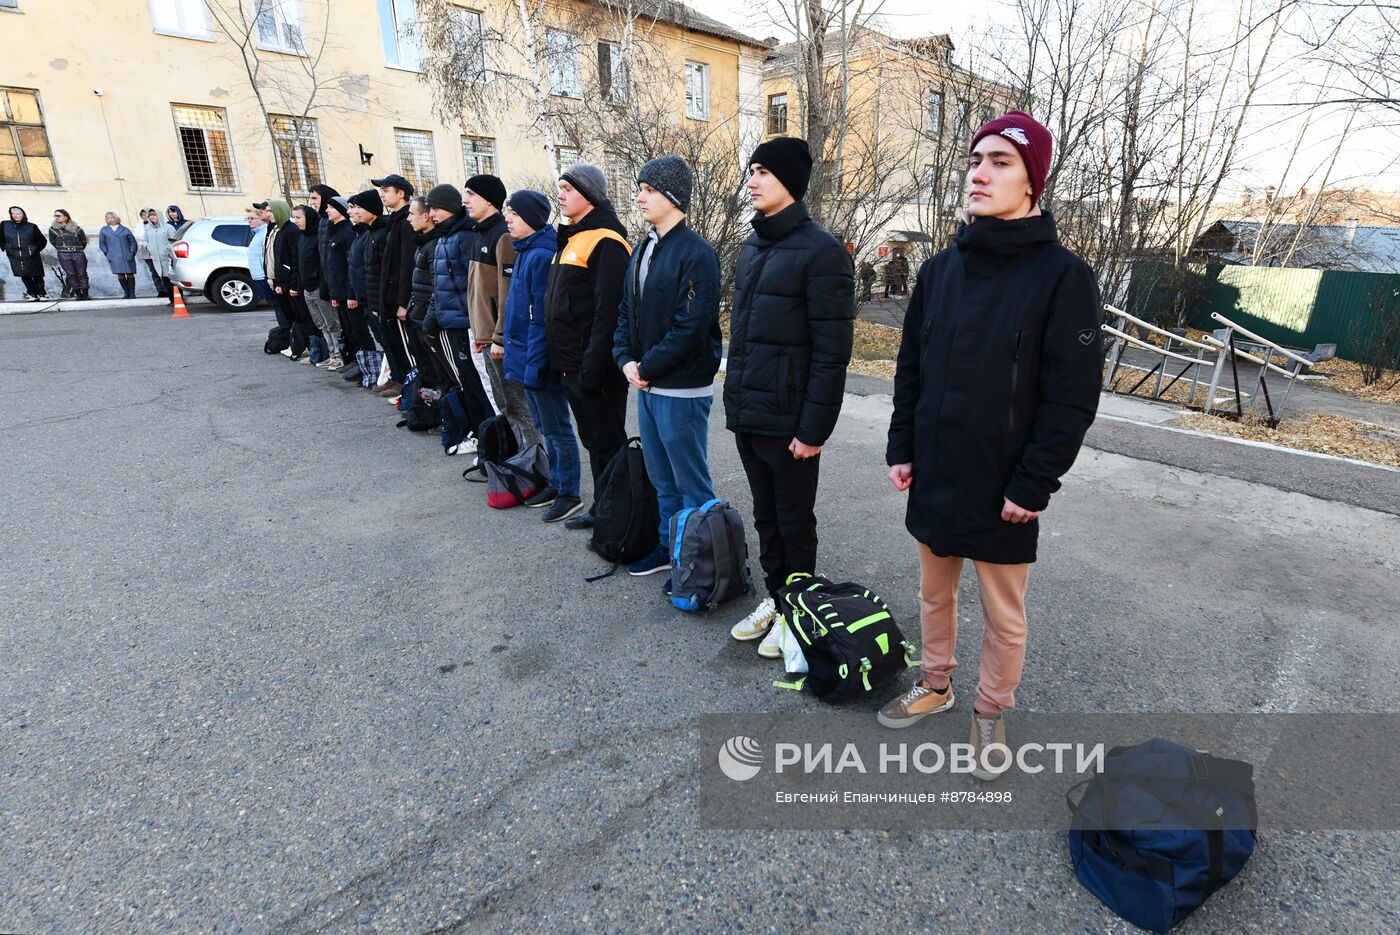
x=848, y=635
x=495, y=440
x=625, y=514
x=279, y=338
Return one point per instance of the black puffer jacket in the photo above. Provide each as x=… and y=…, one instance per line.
x=585, y=287
x=308, y=271
x=323, y=232
x=790, y=335
x=997, y=382
x=371, y=244
x=423, y=280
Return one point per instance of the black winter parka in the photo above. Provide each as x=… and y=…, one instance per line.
x=585, y=287
x=396, y=273
x=996, y=383
x=791, y=330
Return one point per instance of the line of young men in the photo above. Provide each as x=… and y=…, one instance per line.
x=996, y=384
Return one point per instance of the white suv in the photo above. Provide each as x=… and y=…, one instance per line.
x=211, y=256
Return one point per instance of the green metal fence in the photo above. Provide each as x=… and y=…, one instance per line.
x=1296, y=307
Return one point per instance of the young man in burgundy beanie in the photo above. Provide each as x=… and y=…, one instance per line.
x=995, y=386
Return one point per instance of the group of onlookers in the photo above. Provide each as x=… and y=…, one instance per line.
x=24, y=244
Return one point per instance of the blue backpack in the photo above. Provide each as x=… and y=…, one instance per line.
x=455, y=426
x=1161, y=829
x=709, y=558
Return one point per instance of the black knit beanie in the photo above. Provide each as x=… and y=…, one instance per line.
x=490, y=188
x=789, y=159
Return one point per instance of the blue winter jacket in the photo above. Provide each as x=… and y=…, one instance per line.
x=527, y=344
x=451, y=266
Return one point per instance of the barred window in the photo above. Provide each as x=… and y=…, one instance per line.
x=777, y=113
x=479, y=155
x=697, y=90
x=417, y=162
x=25, y=157
x=298, y=152
x=562, y=52
x=205, y=148
x=568, y=156
x=622, y=180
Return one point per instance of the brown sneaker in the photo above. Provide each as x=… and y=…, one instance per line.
x=915, y=705
x=389, y=389
x=985, y=732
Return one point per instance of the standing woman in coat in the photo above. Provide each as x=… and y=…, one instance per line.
x=142, y=253
x=23, y=243
x=118, y=245
x=70, y=241
x=996, y=383
x=158, y=237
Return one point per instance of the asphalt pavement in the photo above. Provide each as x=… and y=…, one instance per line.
x=268, y=664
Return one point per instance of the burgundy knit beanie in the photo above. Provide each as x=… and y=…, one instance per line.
x=1031, y=139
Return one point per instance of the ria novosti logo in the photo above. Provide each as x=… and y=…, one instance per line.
x=740, y=758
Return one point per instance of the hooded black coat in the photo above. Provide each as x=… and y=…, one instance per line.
x=791, y=330
x=996, y=384
x=335, y=265
x=23, y=243
x=308, y=270
x=323, y=232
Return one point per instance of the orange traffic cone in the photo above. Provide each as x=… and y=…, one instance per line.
x=180, y=310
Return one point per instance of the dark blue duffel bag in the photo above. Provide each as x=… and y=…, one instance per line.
x=1161, y=829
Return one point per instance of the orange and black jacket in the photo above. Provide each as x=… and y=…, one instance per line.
x=585, y=287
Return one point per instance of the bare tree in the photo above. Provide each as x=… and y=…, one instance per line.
x=282, y=61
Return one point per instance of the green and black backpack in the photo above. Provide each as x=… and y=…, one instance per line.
x=852, y=644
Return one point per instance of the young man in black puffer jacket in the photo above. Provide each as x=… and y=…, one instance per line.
x=789, y=345
x=997, y=382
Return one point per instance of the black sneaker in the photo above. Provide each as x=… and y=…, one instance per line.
x=580, y=522
x=541, y=498
x=354, y=376
x=563, y=507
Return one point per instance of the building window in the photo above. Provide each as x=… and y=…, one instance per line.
x=416, y=160
x=568, y=156
x=613, y=77
x=777, y=113
x=204, y=145
x=697, y=91
x=9, y=4
x=298, y=152
x=479, y=155
x=622, y=181
x=963, y=110
x=987, y=114
x=933, y=120
x=562, y=51
x=180, y=18
x=25, y=158
x=397, y=23
x=469, y=55
x=279, y=26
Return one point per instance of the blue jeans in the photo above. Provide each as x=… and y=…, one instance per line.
x=675, y=437
x=549, y=408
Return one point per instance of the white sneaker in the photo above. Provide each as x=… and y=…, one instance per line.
x=286, y=352
x=755, y=624
x=772, y=647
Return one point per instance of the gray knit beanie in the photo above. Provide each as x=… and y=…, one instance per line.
x=671, y=177
x=588, y=180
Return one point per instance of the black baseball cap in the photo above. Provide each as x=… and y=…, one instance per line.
x=394, y=181
x=260, y=205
